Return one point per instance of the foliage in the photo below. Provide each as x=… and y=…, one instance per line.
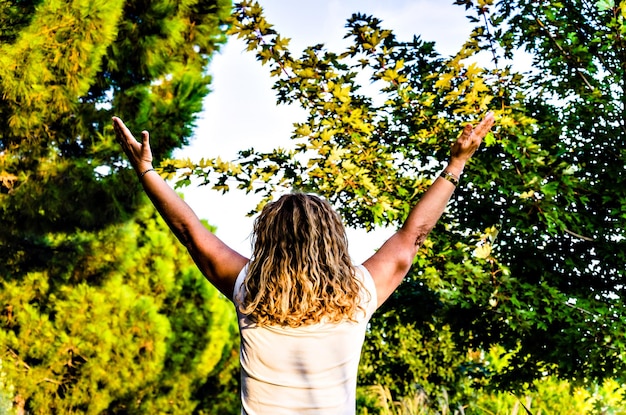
x=567, y=251
x=128, y=324
x=101, y=309
x=406, y=338
x=547, y=395
x=7, y=392
x=550, y=397
x=556, y=397
x=70, y=67
x=530, y=255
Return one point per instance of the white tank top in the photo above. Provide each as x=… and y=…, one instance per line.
x=309, y=370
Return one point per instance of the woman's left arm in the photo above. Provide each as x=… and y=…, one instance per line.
x=219, y=263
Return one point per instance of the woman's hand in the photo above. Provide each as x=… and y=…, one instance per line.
x=469, y=140
x=139, y=153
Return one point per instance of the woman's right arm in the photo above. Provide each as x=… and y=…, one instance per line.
x=219, y=263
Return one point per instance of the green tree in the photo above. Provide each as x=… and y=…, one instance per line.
x=565, y=244
x=63, y=74
x=101, y=308
x=126, y=325
x=531, y=253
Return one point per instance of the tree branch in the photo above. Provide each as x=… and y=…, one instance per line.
x=567, y=57
x=584, y=238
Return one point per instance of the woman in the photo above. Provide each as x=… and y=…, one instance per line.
x=302, y=306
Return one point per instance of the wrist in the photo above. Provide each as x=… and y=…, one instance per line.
x=455, y=167
x=143, y=168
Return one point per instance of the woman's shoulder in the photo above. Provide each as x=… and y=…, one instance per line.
x=239, y=284
x=370, y=298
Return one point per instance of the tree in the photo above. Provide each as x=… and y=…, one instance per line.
x=127, y=325
x=102, y=310
x=65, y=73
x=530, y=255
x=568, y=249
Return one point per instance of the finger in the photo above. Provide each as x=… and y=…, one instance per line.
x=116, y=126
x=466, y=133
x=145, y=138
x=119, y=135
x=121, y=130
x=485, y=125
x=488, y=121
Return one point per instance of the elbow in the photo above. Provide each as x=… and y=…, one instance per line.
x=419, y=240
x=417, y=237
x=183, y=233
x=410, y=247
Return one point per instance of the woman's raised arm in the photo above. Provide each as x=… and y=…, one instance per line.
x=390, y=264
x=219, y=263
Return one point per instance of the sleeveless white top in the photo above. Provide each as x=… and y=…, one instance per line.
x=308, y=370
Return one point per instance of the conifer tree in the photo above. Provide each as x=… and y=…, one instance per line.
x=102, y=311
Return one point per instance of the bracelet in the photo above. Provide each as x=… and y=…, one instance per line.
x=450, y=177
x=144, y=173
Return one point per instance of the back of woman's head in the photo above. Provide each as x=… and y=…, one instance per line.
x=300, y=272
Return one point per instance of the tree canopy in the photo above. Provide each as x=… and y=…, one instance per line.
x=530, y=255
x=66, y=67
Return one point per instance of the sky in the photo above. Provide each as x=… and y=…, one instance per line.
x=241, y=111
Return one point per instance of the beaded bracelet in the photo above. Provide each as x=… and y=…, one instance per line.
x=144, y=173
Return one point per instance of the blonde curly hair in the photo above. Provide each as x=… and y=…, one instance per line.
x=300, y=272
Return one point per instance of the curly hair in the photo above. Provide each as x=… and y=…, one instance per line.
x=300, y=272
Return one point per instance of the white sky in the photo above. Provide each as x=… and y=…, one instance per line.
x=241, y=110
